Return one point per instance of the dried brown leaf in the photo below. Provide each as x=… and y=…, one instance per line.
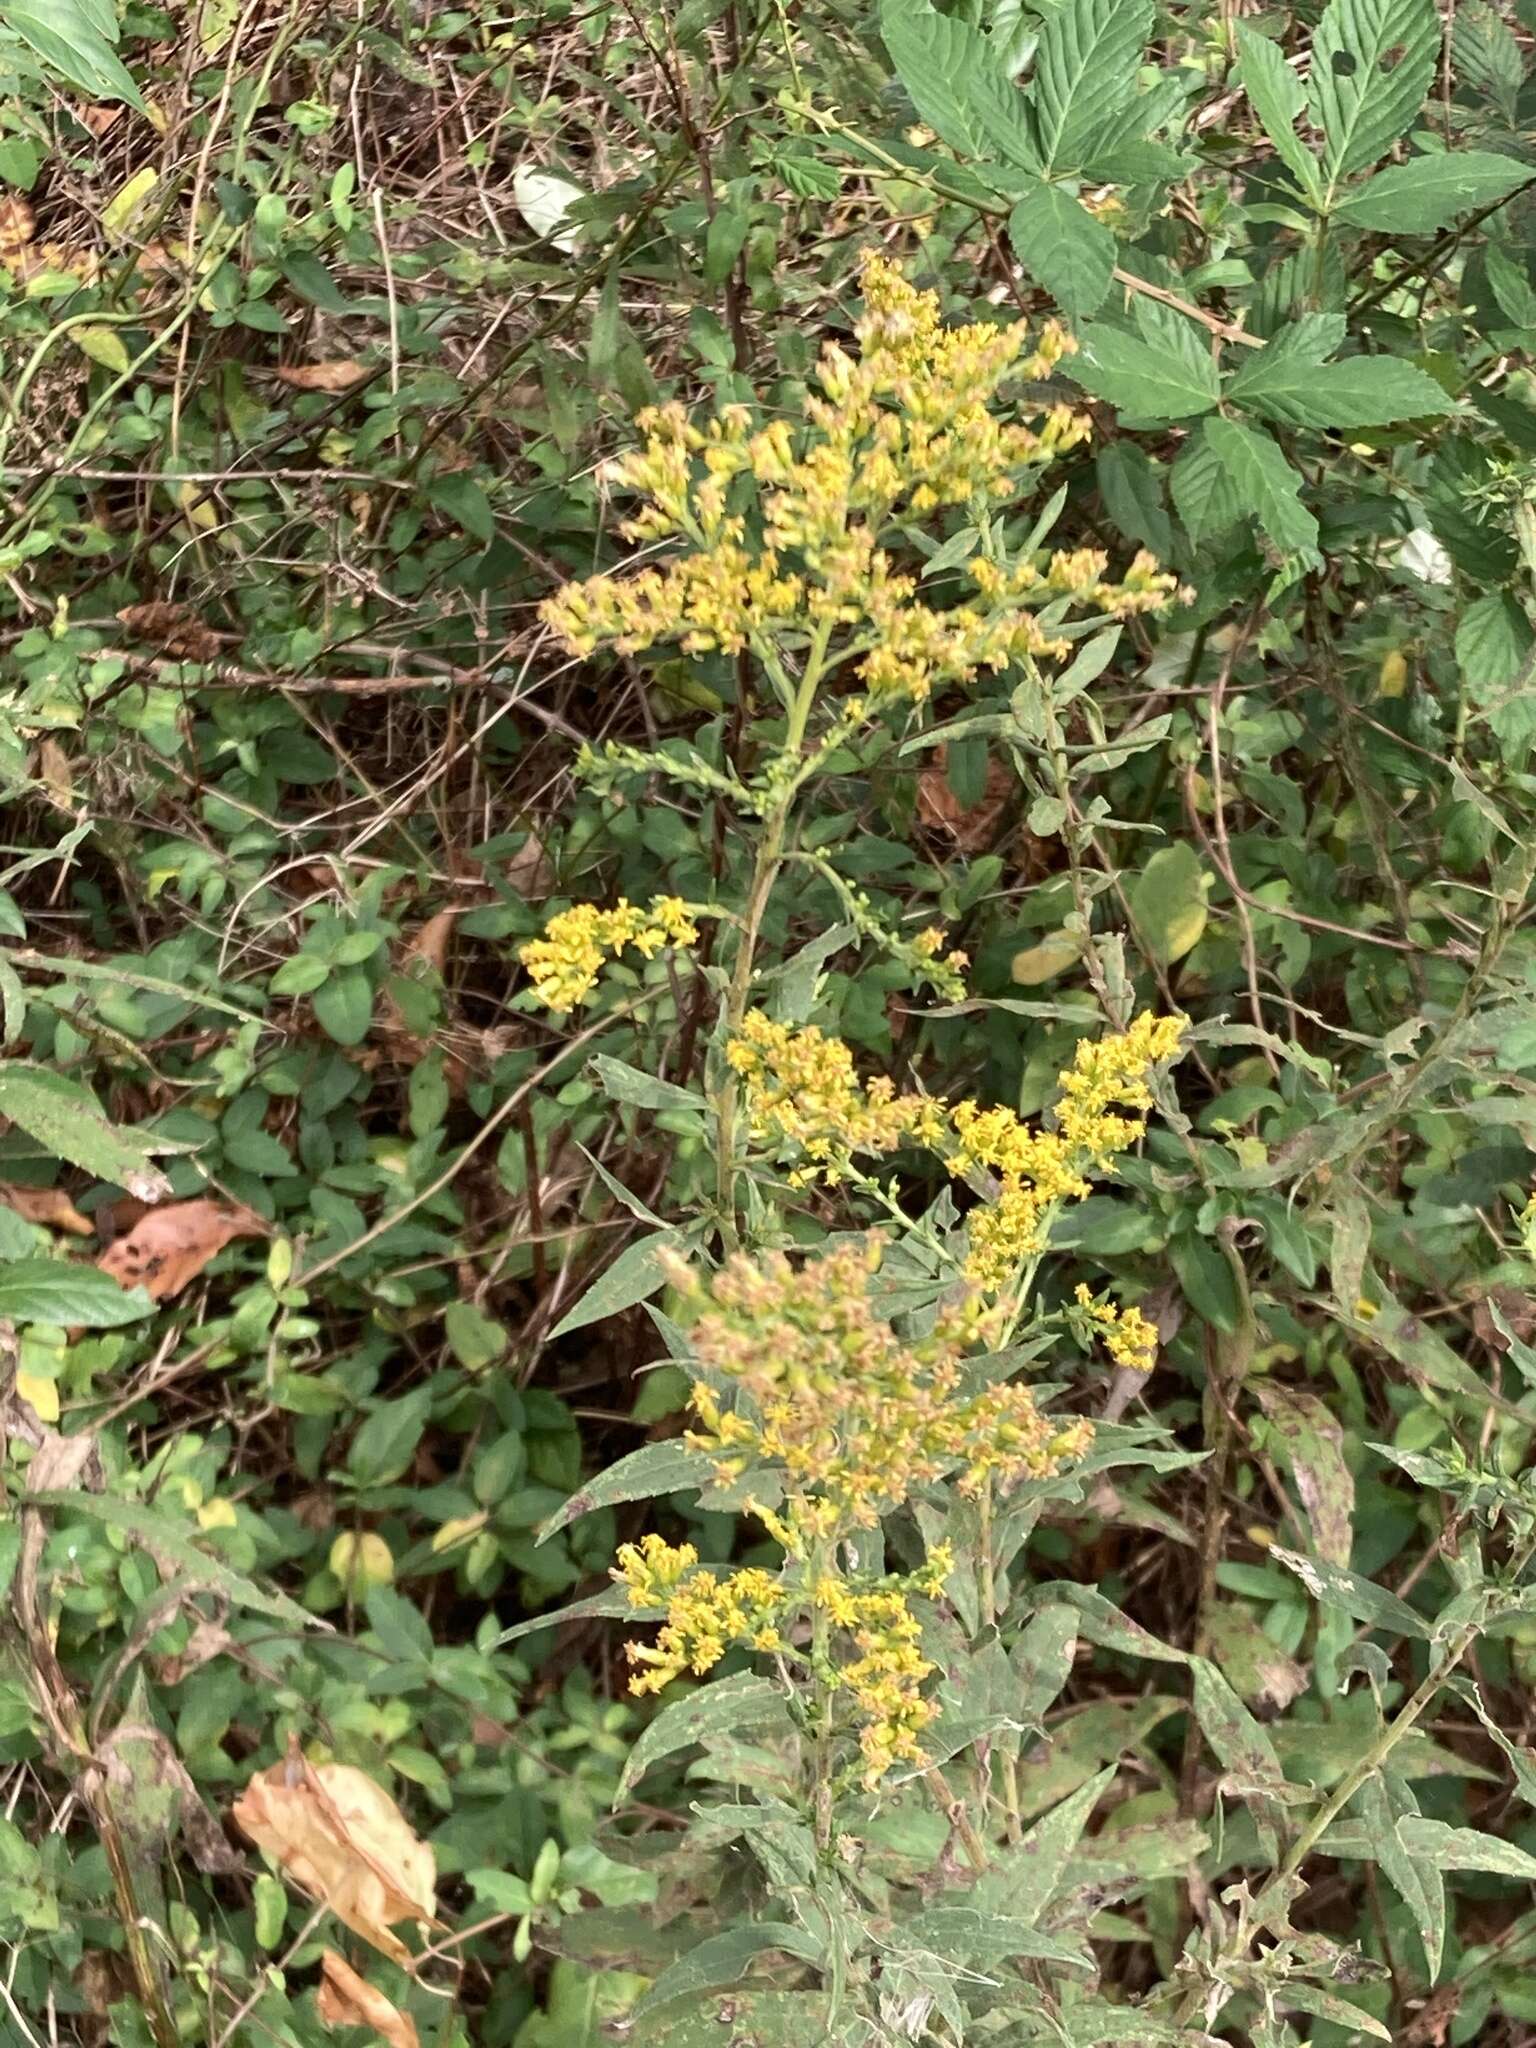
x=175, y=627
x=344, y=1842
x=335, y=376
x=17, y=225
x=167, y=1248
x=347, y=2000
x=973, y=826
x=49, y=1206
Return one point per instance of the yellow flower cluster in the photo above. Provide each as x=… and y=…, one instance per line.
x=566, y=961
x=803, y=1092
x=852, y=1417
x=848, y=1419
x=886, y=1678
x=705, y=1613
x=1129, y=1338
x=893, y=434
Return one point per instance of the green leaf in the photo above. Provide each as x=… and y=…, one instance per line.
x=1511, y=286
x=387, y=1440
x=1207, y=1281
x=1372, y=63
x=1277, y=97
x=635, y=1275
x=722, y=1707
x=1313, y=1439
x=1420, y=197
x=1331, y=1585
x=54, y=1291
x=1464, y=1849
x=1367, y=391
x=723, y=1958
x=1266, y=484
x=1493, y=642
x=1383, y=1801
x=1204, y=496
x=625, y=1083
x=170, y=1545
x=1487, y=55
x=75, y=40
x=1168, y=902
x=957, y=85
x=1060, y=244
x=1146, y=379
x=1132, y=490
x=1085, y=74
x=67, y=1122
x=614, y=1605
x=654, y=1469
x=1025, y=1878
x=463, y=500
x=343, y=1005
x=103, y=345
x=1241, y=1742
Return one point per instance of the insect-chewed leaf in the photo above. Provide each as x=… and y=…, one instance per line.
x=167, y=1248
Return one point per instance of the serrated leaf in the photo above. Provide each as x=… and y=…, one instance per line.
x=75, y=40
x=1064, y=248
x=1372, y=63
x=957, y=85
x=1487, y=55
x=1283, y=385
x=66, y=1120
x=1204, y=496
x=635, y=1275
x=1085, y=73
x=1420, y=197
x=1278, y=98
x=1266, y=484
x=654, y=1469
x=1143, y=379
x=723, y=1707
x=1493, y=641
x=1132, y=490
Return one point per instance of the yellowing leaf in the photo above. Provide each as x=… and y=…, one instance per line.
x=40, y=1394
x=1393, y=678
x=121, y=210
x=1044, y=962
x=1168, y=903
x=362, y=1561
x=103, y=345
x=342, y=1840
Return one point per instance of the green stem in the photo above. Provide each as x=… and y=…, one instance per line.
x=765, y=872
